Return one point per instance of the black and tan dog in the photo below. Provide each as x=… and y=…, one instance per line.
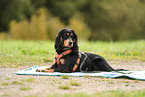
x=69, y=59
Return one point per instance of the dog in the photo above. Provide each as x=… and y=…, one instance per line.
x=69, y=59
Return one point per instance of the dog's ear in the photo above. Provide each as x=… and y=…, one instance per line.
x=59, y=42
x=75, y=45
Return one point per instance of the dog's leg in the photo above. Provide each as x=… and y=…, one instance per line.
x=50, y=70
x=45, y=70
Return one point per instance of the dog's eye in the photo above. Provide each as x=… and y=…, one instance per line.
x=67, y=34
x=71, y=34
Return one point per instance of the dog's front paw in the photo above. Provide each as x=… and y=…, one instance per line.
x=40, y=70
x=37, y=70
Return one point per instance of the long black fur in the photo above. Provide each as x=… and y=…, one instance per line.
x=59, y=41
x=88, y=62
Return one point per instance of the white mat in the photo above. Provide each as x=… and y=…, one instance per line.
x=139, y=75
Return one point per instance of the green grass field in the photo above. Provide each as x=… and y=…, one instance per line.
x=19, y=53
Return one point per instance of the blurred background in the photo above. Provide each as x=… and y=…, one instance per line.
x=105, y=20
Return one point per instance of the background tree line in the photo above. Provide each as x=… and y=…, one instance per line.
x=109, y=20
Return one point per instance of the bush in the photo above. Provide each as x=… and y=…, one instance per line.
x=3, y=36
x=78, y=25
x=42, y=26
x=116, y=20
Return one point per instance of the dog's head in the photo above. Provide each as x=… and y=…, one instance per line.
x=66, y=39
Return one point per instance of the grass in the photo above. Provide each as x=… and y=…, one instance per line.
x=64, y=87
x=31, y=96
x=29, y=80
x=87, y=76
x=5, y=95
x=65, y=77
x=25, y=88
x=5, y=84
x=19, y=53
x=127, y=50
x=112, y=93
x=17, y=83
x=121, y=93
x=7, y=78
x=75, y=83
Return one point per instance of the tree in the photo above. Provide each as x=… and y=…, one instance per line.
x=13, y=10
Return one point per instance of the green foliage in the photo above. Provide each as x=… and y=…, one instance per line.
x=15, y=9
x=82, y=30
x=125, y=19
x=112, y=20
x=4, y=36
x=42, y=26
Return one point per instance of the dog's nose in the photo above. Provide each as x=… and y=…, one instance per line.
x=70, y=43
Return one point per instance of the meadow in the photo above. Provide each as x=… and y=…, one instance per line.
x=21, y=53
x=18, y=54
